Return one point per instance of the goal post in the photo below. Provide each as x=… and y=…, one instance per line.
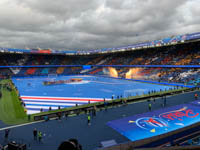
x=52, y=76
x=134, y=92
x=129, y=93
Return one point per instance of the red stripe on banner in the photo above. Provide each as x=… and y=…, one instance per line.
x=45, y=98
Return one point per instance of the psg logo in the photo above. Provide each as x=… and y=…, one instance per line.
x=149, y=123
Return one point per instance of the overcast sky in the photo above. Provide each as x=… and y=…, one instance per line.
x=91, y=24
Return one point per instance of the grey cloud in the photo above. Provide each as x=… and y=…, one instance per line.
x=61, y=9
x=86, y=24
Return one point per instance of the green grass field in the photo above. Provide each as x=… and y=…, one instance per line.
x=11, y=111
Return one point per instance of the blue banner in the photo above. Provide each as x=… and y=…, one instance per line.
x=157, y=122
x=117, y=66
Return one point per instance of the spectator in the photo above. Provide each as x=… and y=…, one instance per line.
x=1, y=147
x=72, y=144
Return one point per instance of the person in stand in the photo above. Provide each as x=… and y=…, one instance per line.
x=35, y=134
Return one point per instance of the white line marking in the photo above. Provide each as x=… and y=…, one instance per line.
x=21, y=125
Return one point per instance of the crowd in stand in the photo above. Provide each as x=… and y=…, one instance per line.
x=184, y=54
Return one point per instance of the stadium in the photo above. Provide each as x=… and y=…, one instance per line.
x=99, y=75
x=139, y=96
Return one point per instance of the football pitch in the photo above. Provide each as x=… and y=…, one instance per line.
x=69, y=91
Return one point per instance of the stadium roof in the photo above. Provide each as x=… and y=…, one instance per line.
x=150, y=44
